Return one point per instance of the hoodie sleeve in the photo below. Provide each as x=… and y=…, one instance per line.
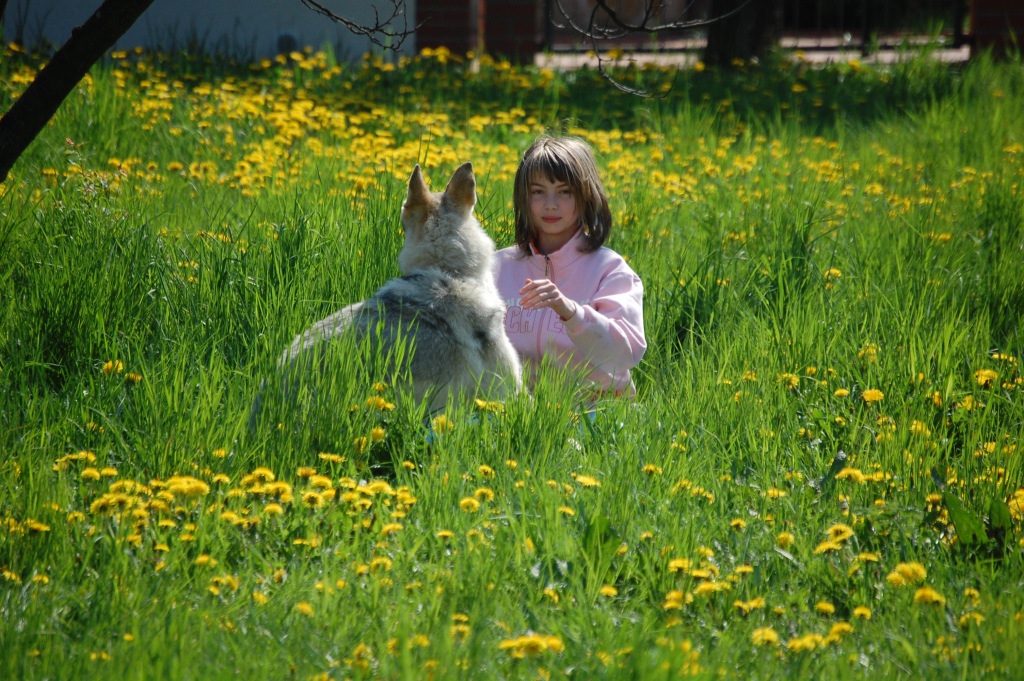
x=609, y=331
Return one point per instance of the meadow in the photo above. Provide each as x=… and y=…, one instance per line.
x=821, y=476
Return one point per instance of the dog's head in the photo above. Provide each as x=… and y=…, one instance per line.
x=440, y=230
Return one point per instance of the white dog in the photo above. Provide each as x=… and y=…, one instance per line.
x=446, y=302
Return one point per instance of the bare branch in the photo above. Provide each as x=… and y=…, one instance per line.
x=647, y=24
x=381, y=33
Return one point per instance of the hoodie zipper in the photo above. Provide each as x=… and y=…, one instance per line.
x=540, y=327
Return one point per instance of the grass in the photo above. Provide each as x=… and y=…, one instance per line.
x=821, y=476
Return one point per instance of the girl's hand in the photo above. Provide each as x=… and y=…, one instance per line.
x=540, y=293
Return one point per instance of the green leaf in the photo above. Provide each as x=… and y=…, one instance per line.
x=970, y=529
x=1000, y=522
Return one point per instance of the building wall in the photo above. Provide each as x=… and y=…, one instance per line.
x=242, y=28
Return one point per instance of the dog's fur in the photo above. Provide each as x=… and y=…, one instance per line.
x=445, y=302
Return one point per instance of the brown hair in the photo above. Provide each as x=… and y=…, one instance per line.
x=569, y=160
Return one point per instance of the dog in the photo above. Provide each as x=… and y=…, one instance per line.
x=446, y=302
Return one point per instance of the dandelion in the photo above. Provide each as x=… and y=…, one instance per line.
x=839, y=532
x=587, y=481
x=469, y=505
x=969, y=618
x=872, y=395
x=304, y=608
x=377, y=434
x=205, y=560
x=531, y=645
x=986, y=377
x=841, y=392
x=379, y=403
x=445, y=534
x=827, y=546
x=312, y=499
x=738, y=524
x=789, y=381
x=114, y=366
x=608, y=590
x=907, y=573
x=824, y=607
x=441, y=424
x=90, y=474
x=863, y=612
x=390, y=528
x=804, y=644
x=566, y=510
x=484, y=494
x=929, y=596
x=851, y=474
x=765, y=636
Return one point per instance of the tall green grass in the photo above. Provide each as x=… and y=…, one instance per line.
x=805, y=236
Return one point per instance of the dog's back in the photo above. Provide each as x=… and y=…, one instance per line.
x=445, y=303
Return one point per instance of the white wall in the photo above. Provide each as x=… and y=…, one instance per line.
x=242, y=28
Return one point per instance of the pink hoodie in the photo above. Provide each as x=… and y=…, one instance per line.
x=604, y=339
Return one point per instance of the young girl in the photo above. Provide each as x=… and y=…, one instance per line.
x=567, y=296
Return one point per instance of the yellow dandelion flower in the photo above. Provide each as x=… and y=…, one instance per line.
x=377, y=434
x=484, y=494
x=304, y=608
x=469, y=505
x=312, y=499
x=806, y=643
x=566, y=510
x=824, y=607
x=839, y=532
x=531, y=645
x=442, y=424
x=765, y=636
x=114, y=366
x=909, y=573
x=986, y=377
x=608, y=590
x=872, y=395
x=587, y=481
x=789, y=381
x=851, y=474
x=929, y=596
x=863, y=612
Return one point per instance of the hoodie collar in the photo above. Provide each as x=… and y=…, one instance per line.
x=557, y=261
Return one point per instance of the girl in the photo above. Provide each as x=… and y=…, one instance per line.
x=566, y=295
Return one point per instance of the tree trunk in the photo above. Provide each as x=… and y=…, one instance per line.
x=745, y=29
x=40, y=101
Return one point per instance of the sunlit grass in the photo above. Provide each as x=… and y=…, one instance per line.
x=821, y=475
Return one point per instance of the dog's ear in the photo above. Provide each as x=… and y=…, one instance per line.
x=461, y=189
x=418, y=200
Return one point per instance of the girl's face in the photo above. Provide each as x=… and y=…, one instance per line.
x=553, y=212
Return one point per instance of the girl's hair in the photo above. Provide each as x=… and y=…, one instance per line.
x=568, y=160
